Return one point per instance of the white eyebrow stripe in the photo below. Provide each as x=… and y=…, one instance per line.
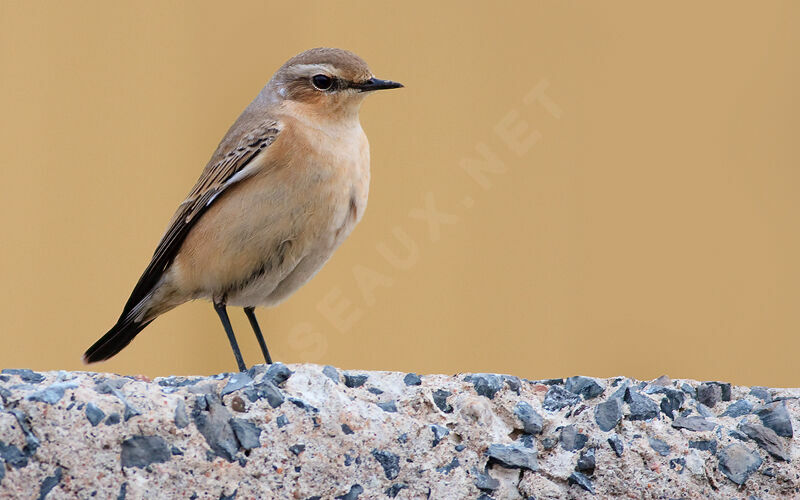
x=308, y=69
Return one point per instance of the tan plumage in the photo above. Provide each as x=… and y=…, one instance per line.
x=285, y=186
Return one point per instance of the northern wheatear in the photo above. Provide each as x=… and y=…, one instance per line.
x=284, y=188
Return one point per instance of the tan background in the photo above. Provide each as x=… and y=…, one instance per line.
x=649, y=224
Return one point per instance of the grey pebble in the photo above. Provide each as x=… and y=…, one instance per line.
x=346, y=429
x=31, y=441
x=439, y=432
x=726, y=390
x=278, y=373
x=181, y=418
x=49, y=483
x=696, y=424
x=485, y=482
x=709, y=394
x=661, y=447
x=616, y=444
x=446, y=469
x=354, y=381
x=737, y=462
x=737, y=435
x=236, y=382
x=113, y=419
x=622, y=392
x=581, y=480
x=12, y=455
x=776, y=417
x=704, y=445
x=394, y=489
x=587, y=387
x=608, y=414
x=761, y=393
x=94, y=414
x=688, y=389
x=557, y=398
x=354, y=493
x=5, y=394
x=485, y=384
x=213, y=421
x=297, y=449
x=303, y=405
x=388, y=406
x=703, y=410
x=175, y=382
x=738, y=408
x=412, y=379
x=256, y=370
x=531, y=421
x=332, y=373
x=389, y=461
x=105, y=386
x=586, y=462
x=571, y=439
x=375, y=390
x=53, y=393
x=28, y=376
x=281, y=421
x=141, y=451
x=513, y=456
x=767, y=439
x=678, y=464
x=641, y=407
x=440, y=399
x=549, y=442
x=265, y=390
x=130, y=412
x=671, y=402
x=247, y=433
x=513, y=383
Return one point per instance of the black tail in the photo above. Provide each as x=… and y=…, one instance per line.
x=114, y=341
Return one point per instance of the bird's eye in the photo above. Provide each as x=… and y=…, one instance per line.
x=322, y=82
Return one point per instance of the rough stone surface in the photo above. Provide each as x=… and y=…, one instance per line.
x=307, y=431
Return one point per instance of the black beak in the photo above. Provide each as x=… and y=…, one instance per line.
x=376, y=84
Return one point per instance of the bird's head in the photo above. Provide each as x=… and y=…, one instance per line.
x=326, y=82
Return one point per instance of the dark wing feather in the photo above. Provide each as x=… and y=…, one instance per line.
x=248, y=137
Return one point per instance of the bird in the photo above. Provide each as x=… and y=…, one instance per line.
x=286, y=185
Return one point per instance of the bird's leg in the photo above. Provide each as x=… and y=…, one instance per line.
x=251, y=315
x=226, y=323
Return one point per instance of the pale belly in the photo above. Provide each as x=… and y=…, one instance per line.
x=320, y=242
